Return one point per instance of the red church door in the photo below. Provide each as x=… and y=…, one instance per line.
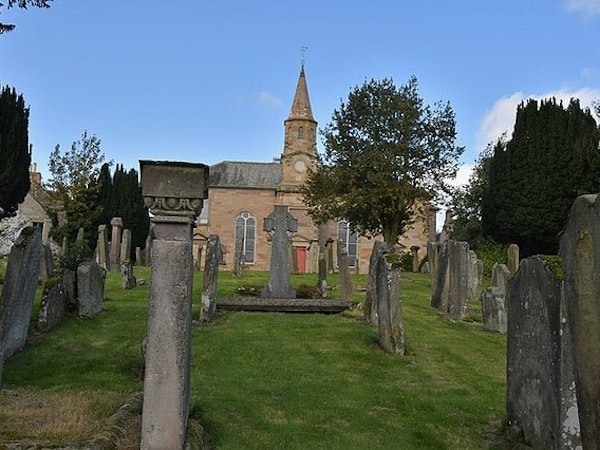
x=301, y=258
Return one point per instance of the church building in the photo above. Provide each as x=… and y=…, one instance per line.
x=242, y=194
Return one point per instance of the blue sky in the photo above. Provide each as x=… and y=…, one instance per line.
x=212, y=81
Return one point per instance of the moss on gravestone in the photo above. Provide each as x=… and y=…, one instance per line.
x=553, y=263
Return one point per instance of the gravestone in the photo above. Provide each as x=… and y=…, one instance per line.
x=68, y=279
x=580, y=254
x=90, y=288
x=493, y=307
x=174, y=193
x=414, y=251
x=20, y=283
x=46, y=263
x=474, y=275
x=371, y=308
x=115, y=243
x=500, y=277
x=238, y=255
x=513, y=259
x=139, y=256
x=433, y=259
x=65, y=246
x=52, y=306
x=389, y=306
x=344, y=272
x=128, y=280
x=541, y=401
x=211, y=276
x=148, y=250
x=80, y=234
x=199, y=257
x=126, y=245
x=280, y=224
x=102, y=253
x=451, y=290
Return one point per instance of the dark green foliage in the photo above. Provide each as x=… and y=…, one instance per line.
x=5, y=27
x=77, y=252
x=124, y=199
x=15, y=156
x=385, y=151
x=551, y=159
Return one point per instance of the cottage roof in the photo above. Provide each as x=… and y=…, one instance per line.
x=245, y=175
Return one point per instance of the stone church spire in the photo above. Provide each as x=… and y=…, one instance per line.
x=300, y=146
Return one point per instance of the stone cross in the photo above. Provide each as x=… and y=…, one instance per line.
x=174, y=192
x=279, y=225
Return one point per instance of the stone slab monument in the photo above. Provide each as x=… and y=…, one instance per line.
x=371, y=308
x=211, y=276
x=280, y=224
x=90, y=288
x=580, y=254
x=542, y=407
x=116, y=224
x=174, y=192
x=493, y=308
x=20, y=283
x=102, y=250
x=344, y=272
x=389, y=306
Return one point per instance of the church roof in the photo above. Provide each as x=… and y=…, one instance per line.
x=245, y=174
x=301, y=105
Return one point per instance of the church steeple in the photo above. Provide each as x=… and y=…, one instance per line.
x=300, y=147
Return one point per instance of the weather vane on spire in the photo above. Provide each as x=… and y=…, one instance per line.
x=303, y=51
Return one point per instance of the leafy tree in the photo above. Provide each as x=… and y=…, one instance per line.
x=15, y=156
x=4, y=27
x=75, y=184
x=551, y=159
x=126, y=201
x=467, y=201
x=385, y=153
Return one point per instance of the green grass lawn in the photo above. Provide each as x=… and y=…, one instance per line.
x=269, y=380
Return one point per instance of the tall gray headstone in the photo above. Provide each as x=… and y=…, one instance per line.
x=126, y=245
x=513, y=259
x=371, y=308
x=414, y=251
x=541, y=405
x=280, y=224
x=211, y=276
x=90, y=288
x=128, y=280
x=20, y=283
x=451, y=292
x=46, y=263
x=115, y=243
x=80, y=234
x=174, y=193
x=493, y=306
x=389, y=306
x=500, y=277
x=238, y=255
x=433, y=259
x=580, y=254
x=102, y=253
x=344, y=272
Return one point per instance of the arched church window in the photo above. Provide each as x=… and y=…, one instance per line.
x=245, y=231
x=349, y=241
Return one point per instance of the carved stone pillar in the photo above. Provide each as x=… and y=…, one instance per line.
x=174, y=193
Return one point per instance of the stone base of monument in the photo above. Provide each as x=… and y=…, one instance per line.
x=288, y=305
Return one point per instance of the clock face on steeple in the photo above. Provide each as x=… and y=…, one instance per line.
x=300, y=166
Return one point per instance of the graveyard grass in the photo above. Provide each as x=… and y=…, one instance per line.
x=269, y=380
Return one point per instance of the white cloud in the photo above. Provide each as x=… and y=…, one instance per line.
x=267, y=99
x=501, y=117
x=588, y=8
x=462, y=177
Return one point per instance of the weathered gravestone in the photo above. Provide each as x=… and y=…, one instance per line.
x=493, y=305
x=52, y=305
x=46, y=263
x=433, y=259
x=389, y=305
x=211, y=276
x=580, y=254
x=128, y=280
x=116, y=224
x=174, y=193
x=68, y=279
x=20, y=283
x=126, y=245
x=102, y=253
x=344, y=272
x=500, y=277
x=90, y=288
x=80, y=234
x=541, y=400
x=513, y=259
x=371, y=308
x=475, y=275
x=451, y=290
x=414, y=252
x=280, y=224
